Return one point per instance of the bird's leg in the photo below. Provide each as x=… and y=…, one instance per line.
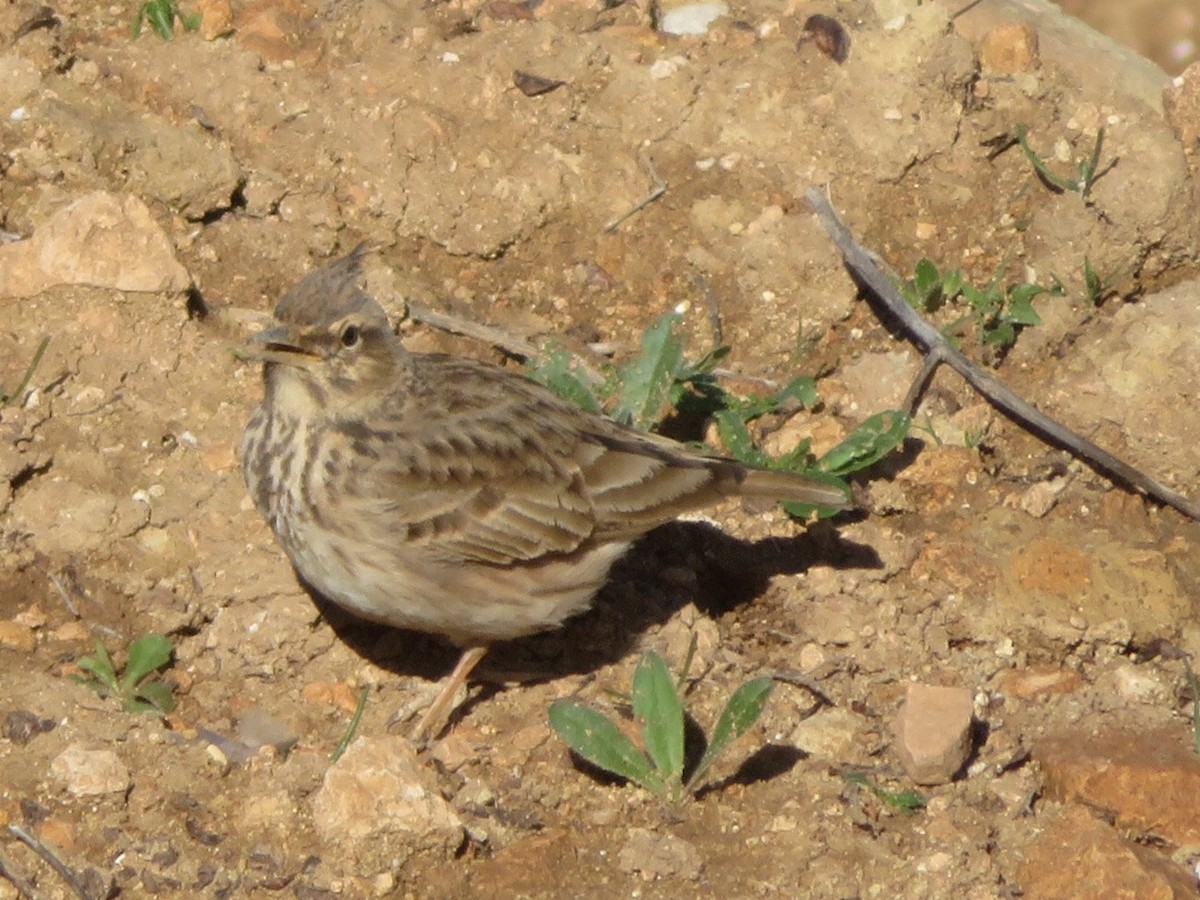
x=438, y=714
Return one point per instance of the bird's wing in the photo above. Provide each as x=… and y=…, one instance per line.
x=475, y=490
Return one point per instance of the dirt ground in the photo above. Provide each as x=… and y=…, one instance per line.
x=157, y=197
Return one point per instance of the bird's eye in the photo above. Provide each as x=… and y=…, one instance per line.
x=351, y=336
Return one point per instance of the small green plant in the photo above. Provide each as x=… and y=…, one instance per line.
x=1085, y=177
x=998, y=312
x=7, y=397
x=907, y=802
x=161, y=15
x=639, y=392
x=352, y=728
x=657, y=766
x=133, y=687
x=660, y=378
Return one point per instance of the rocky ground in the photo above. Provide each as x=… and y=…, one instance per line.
x=158, y=197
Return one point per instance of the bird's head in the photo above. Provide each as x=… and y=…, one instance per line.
x=331, y=344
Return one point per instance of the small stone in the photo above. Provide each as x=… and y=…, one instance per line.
x=833, y=733
x=32, y=617
x=216, y=18
x=925, y=231
x=1010, y=48
x=21, y=726
x=655, y=854
x=18, y=636
x=1137, y=684
x=690, y=18
x=88, y=773
x=811, y=657
x=1040, y=498
x=1037, y=681
x=336, y=694
x=59, y=833
x=377, y=797
x=933, y=732
x=71, y=632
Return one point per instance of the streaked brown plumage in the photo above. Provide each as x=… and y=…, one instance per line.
x=448, y=496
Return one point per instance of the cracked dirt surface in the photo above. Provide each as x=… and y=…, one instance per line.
x=986, y=560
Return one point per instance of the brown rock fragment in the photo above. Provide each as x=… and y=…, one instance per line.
x=377, y=799
x=1010, y=48
x=1080, y=856
x=1038, y=681
x=1148, y=780
x=933, y=732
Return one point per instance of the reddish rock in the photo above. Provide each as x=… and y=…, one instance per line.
x=1010, y=48
x=1038, y=681
x=216, y=18
x=1080, y=856
x=279, y=30
x=1147, y=780
x=933, y=732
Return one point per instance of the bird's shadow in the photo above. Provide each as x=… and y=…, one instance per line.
x=676, y=564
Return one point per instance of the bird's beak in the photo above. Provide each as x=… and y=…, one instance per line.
x=278, y=345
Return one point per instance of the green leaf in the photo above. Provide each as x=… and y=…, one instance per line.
x=867, y=444
x=1002, y=334
x=731, y=427
x=154, y=696
x=601, y=743
x=647, y=379
x=1020, y=308
x=907, y=802
x=161, y=14
x=743, y=709
x=147, y=654
x=656, y=702
x=100, y=667
x=555, y=370
x=1063, y=184
x=1087, y=169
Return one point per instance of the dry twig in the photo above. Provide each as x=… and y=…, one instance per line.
x=873, y=273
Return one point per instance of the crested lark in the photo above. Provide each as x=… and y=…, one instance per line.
x=448, y=496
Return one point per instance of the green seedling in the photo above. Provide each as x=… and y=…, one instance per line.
x=660, y=379
x=658, y=764
x=161, y=16
x=133, y=687
x=998, y=312
x=1087, y=174
x=907, y=802
x=352, y=728
x=7, y=397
